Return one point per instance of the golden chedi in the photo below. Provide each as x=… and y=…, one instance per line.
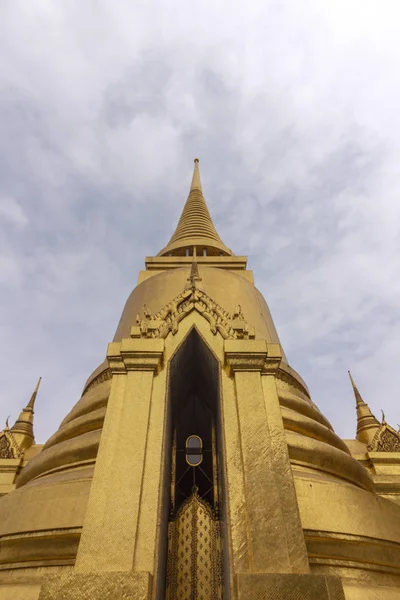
x=195, y=465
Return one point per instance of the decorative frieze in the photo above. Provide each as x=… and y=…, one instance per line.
x=287, y=381
x=135, y=355
x=8, y=445
x=229, y=325
x=241, y=355
x=101, y=377
x=252, y=355
x=5, y=447
x=386, y=439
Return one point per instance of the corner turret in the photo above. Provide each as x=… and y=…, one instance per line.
x=367, y=424
x=22, y=430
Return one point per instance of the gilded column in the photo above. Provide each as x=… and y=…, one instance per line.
x=267, y=548
x=105, y=566
x=111, y=522
x=293, y=531
x=274, y=534
x=277, y=563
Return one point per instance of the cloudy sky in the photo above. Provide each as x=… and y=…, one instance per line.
x=293, y=110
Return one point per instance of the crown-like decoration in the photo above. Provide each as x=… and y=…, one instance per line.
x=229, y=325
x=8, y=445
x=386, y=439
x=16, y=440
x=6, y=450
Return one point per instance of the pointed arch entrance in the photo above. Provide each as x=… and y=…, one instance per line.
x=195, y=523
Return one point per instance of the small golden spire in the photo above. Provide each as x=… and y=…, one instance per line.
x=367, y=424
x=23, y=426
x=195, y=226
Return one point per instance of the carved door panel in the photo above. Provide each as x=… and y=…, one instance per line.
x=194, y=567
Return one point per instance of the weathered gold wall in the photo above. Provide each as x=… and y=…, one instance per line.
x=297, y=502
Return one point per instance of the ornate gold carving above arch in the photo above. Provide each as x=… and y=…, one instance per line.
x=229, y=325
x=8, y=446
x=386, y=439
x=5, y=448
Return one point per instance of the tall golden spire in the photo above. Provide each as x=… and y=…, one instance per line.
x=23, y=427
x=367, y=424
x=195, y=227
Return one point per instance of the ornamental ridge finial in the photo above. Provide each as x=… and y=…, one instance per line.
x=194, y=271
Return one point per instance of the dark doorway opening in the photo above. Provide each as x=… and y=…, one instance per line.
x=194, y=446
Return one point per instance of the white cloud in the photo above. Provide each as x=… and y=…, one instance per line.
x=9, y=270
x=292, y=109
x=12, y=213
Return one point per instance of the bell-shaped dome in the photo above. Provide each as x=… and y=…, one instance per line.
x=345, y=524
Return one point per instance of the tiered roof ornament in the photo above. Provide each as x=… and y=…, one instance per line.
x=195, y=227
x=14, y=441
x=386, y=439
x=229, y=325
x=378, y=437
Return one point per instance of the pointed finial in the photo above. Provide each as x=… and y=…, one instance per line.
x=383, y=418
x=7, y=425
x=22, y=429
x=357, y=394
x=367, y=423
x=194, y=271
x=31, y=402
x=196, y=183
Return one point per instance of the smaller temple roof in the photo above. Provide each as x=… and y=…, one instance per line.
x=367, y=423
x=15, y=441
x=378, y=437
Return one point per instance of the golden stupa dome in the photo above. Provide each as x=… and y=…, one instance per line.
x=52, y=490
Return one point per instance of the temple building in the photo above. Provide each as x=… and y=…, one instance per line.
x=195, y=465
